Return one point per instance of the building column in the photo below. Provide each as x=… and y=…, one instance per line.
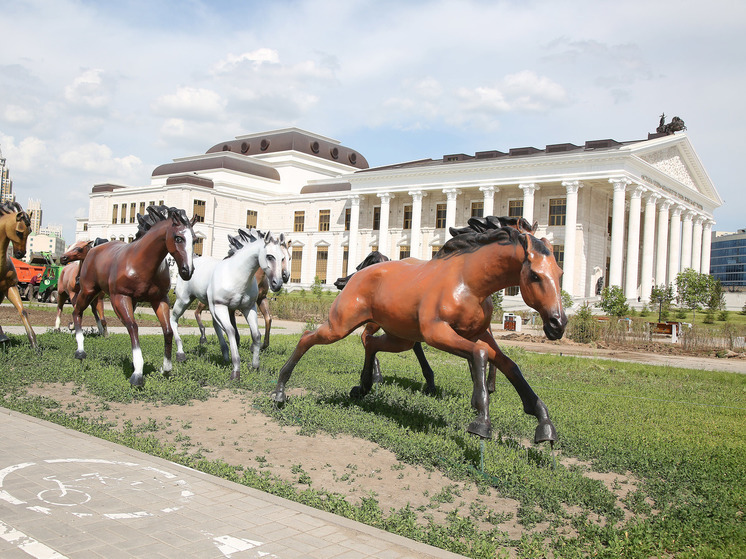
x=415, y=243
x=451, y=195
x=697, y=244
x=383, y=232
x=571, y=222
x=617, y=231
x=633, y=242
x=648, y=243
x=489, y=199
x=352, y=242
x=706, y=246
x=674, y=245
x=686, y=241
x=662, y=246
x=528, y=204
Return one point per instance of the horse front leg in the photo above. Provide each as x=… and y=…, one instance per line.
x=198, y=317
x=162, y=311
x=221, y=316
x=370, y=329
x=440, y=335
x=62, y=298
x=532, y=404
x=14, y=296
x=97, y=308
x=427, y=371
x=83, y=299
x=124, y=309
x=264, y=309
x=250, y=315
x=179, y=307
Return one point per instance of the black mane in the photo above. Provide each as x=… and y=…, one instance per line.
x=468, y=242
x=156, y=214
x=15, y=207
x=240, y=240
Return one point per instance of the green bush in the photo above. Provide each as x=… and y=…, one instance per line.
x=582, y=327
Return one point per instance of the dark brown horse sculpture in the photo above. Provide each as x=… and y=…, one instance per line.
x=15, y=227
x=446, y=303
x=68, y=284
x=476, y=224
x=137, y=271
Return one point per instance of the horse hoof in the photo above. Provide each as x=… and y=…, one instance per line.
x=4, y=339
x=278, y=397
x=203, y=340
x=80, y=355
x=357, y=392
x=545, y=432
x=430, y=391
x=480, y=429
x=235, y=376
x=136, y=382
x=180, y=357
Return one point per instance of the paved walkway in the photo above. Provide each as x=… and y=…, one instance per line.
x=64, y=494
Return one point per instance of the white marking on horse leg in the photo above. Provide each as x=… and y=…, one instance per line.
x=251, y=320
x=79, y=338
x=57, y=323
x=167, y=365
x=138, y=362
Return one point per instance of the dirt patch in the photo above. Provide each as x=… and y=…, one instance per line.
x=228, y=428
x=45, y=317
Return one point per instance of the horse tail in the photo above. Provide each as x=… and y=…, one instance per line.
x=374, y=257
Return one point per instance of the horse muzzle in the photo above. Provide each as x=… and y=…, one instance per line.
x=554, y=326
x=19, y=254
x=285, y=276
x=276, y=284
x=186, y=272
x=64, y=260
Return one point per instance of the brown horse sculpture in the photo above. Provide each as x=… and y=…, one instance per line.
x=15, y=227
x=68, y=284
x=137, y=271
x=445, y=302
x=475, y=224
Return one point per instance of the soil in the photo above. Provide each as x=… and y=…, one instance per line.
x=41, y=318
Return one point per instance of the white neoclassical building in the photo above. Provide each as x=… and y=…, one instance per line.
x=631, y=214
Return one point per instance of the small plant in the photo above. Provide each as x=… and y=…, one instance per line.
x=644, y=311
x=743, y=309
x=583, y=326
x=613, y=301
x=723, y=316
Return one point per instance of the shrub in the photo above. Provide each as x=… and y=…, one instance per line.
x=723, y=316
x=644, y=311
x=613, y=302
x=497, y=306
x=583, y=327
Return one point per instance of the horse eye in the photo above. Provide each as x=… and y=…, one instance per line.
x=178, y=239
x=270, y=257
x=534, y=276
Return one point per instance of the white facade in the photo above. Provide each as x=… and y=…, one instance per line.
x=38, y=244
x=631, y=214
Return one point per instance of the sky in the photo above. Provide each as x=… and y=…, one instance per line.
x=98, y=91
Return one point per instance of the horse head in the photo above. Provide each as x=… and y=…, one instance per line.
x=271, y=260
x=180, y=241
x=16, y=228
x=77, y=251
x=540, y=286
x=287, y=256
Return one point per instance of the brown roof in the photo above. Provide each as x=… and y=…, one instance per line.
x=107, y=187
x=240, y=165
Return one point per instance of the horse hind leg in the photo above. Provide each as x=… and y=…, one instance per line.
x=374, y=344
x=370, y=329
x=480, y=398
x=62, y=298
x=264, y=309
x=427, y=371
x=198, y=317
x=179, y=307
x=222, y=316
x=14, y=296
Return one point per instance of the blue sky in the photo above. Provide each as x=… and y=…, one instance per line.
x=95, y=92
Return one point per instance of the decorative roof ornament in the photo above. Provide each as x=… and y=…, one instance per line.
x=674, y=126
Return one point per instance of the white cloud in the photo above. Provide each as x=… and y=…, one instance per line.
x=89, y=89
x=18, y=115
x=190, y=102
x=253, y=58
x=97, y=159
x=24, y=156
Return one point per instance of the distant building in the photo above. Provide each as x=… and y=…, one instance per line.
x=34, y=212
x=6, y=185
x=728, y=259
x=38, y=244
x=631, y=214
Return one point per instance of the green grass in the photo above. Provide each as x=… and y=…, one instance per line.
x=680, y=432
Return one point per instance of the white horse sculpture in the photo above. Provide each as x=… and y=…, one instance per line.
x=228, y=285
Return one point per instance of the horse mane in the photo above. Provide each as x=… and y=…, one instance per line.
x=468, y=242
x=240, y=240
x=374, y=257
x=15, y=207
x=157, y=214
x=482, y=224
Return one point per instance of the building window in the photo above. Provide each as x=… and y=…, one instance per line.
x=133, y=205
x=160, y=202
x=324, y=219
x=130, y=238
x=123, y=215
x=251, y=218
x=348, y=214
x=374, y=248
x=557, y=208
x=322, y=257
x=377, y=218
x=403, y=252
x=296, y=265
x=151, y=203
x=85, y=227
x=440, y=216
x=299, y=222
x=114, y=212
x=477, y=209
x=345, y=260
x=199, y=211
x=436, y=249
x=559, y=255
x=197, y=246
x=407, y=221
x=514, y=290
x=142, y=208
x=515, y=208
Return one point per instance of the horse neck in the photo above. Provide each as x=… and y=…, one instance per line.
x=246, y=260
x=152, y=243
x=493, y=267
x=4, y=243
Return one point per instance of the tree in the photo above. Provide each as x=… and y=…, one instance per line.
x=567, y=301
x=497, y=305
x=662, y=295
x=613, y=302
x=694, y=289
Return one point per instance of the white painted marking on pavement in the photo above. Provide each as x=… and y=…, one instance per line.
x=28, y=545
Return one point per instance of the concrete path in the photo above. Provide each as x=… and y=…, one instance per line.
x=64, y=495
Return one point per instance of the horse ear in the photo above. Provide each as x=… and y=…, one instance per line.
x=282, y=239
x=535, y=226
x=193, y=220
x=267, y=237
x=547, y=243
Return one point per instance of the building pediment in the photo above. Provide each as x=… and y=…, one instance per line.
x=670, y=162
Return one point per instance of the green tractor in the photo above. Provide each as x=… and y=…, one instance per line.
x=47, y=292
